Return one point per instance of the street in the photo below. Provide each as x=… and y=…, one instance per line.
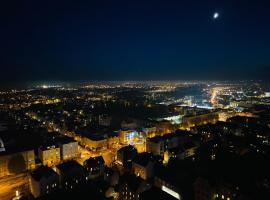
x=9, y=185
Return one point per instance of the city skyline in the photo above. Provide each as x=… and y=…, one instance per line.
x=135, y=100
x=136, y=140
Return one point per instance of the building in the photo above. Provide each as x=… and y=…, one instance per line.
x=49, y=155
x=111, y=176
x=68, y=148
x=188, y=150
x=160, y=144
x=94, y=167
x=156, y=145
x=150, y=131
x=207, y=132
x=172, y=181
x=205, y=190
x=184, y=151
x=125, y=156
x=113, y=141
x=159, y=194
x=71, y=174
x=164, y=127
x=129, y=124
x=194, y=120
x=43, y=181
x=143, y=165
x=95, y=142
x=14, y=162
x=131, y=187
x=127, y=137
x=210, y=132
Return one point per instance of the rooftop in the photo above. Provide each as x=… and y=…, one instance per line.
x=143, y=159
x=94, y=161
x=69, y=165
x=43, y=172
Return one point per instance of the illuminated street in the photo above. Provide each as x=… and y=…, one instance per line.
x=9, y=185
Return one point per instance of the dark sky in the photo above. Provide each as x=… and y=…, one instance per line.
x=134, y=40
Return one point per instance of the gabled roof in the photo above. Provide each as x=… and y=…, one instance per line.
x=94, y=161
x=127, y=149
x=43, y=172
x=143, y=159
x=69, y=165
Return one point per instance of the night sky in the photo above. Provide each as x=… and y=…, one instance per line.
x=134, y=40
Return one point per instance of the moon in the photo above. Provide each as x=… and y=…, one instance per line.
x=216, y=15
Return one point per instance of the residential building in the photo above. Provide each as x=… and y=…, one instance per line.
x=43, y=181
x=49, y=155
x=94, y=167
x=71, y=174
x=143, y=165
x=14, y=162
x=125, y=156
x=68, y=148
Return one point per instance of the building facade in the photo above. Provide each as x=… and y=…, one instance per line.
x=50, y=155
x=18, y=162
x=43, y=181
x=68, y=148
